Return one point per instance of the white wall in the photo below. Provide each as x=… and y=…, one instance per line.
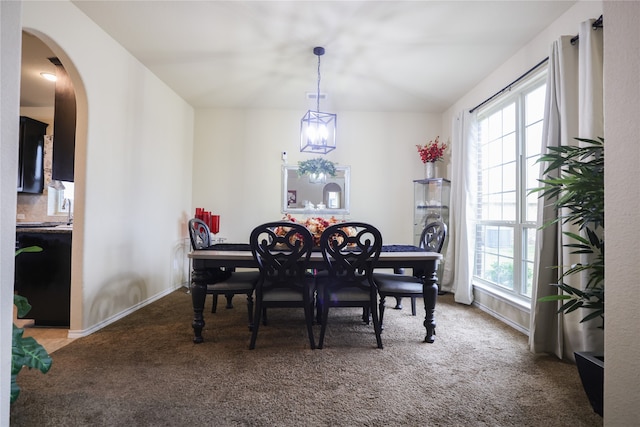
x=237, y=165
x=133, y=168
x=622, y=204
x=10, y=41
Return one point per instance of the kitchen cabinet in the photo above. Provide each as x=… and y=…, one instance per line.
x=64, y=126
x=44, y=278
x=31, y=155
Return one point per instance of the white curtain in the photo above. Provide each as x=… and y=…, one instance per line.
x=458, y=274
x=574, y=108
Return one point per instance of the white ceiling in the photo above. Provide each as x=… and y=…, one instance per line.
x=380, y=55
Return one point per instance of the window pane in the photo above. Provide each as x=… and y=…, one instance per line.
x=511, y=136
x=509, y=119
x=529, y=253
x=495, y=126
x=534, y=105
x=509, y=206
x=509, y=148
x=508, y=173
x=534, y=139
x=494, y=153
x=531, y=212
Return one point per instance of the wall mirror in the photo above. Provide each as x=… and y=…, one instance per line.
x=308, y=194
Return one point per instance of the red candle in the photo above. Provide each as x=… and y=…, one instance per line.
x=206, y=218
x=215, y=224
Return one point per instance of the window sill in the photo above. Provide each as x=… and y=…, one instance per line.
x=503, y=306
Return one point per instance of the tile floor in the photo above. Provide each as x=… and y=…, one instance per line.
x=51, y=339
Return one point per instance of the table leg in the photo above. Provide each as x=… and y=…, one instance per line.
x=430, y=294
x=198, y=294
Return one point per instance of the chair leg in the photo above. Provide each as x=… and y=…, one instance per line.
x=308, y=317
x=413, y=306
x=398, y=303
x=229, y=300
x=381, y=306
x=376, y=324
x=366, y=316
x=318, y=312
x=214, y=306
x=250, y=309
x=323, y=328
x=256, y=324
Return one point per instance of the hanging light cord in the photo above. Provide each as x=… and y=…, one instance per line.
x=318, y=94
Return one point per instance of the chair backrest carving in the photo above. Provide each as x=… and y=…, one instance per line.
x=351, y=249
x=281, y=249
x=433, y=236
x=199, y=234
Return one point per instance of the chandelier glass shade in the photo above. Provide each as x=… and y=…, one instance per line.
x=318, y=129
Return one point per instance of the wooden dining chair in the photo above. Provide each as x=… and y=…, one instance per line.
x=432, y=239
x=282, y=250
x=350, y=250
x=219, y=281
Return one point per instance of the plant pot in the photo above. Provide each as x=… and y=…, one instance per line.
x=591, y=369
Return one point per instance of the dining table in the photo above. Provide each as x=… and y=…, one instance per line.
x=238, y=255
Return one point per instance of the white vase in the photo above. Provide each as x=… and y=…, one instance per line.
x=429, y=170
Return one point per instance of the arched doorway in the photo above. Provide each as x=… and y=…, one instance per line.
x=37, y=49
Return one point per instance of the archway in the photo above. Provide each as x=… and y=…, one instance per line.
x=77, y=299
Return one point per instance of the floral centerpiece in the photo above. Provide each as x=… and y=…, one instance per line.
x=316, y=225
x=432, y=151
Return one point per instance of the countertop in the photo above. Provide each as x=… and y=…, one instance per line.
x=43, y=227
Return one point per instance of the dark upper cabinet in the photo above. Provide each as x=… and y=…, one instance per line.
x=31, y=155
x=64, y=126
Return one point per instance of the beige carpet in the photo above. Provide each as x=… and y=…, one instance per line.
x=144, y=370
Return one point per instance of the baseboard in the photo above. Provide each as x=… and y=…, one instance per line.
x=84, y=332
x=492, y=312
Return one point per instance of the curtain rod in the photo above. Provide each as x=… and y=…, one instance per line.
x=508, y=87
x=596, y=24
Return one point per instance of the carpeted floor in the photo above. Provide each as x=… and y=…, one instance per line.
x=144, y=370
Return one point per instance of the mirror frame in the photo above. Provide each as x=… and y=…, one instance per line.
x=342, y=211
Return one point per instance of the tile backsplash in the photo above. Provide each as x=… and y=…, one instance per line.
x=33, y=207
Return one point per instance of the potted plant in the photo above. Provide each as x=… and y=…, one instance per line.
x=574, y=180
x=317, y=168
x=25, y=351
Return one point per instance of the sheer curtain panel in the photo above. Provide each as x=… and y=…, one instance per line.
x=462, y=232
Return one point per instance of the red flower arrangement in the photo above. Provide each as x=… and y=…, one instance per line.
x=432, y=151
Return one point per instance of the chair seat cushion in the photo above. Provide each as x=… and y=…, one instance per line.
x=281, y=294
x=241, y=281
x=348, y=293
x=289, y=294
x=397, y=284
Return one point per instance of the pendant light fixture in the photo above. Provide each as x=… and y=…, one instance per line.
x=317, y=129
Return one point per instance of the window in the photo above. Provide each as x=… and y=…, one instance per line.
x=60, y=200
x=509, y=142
